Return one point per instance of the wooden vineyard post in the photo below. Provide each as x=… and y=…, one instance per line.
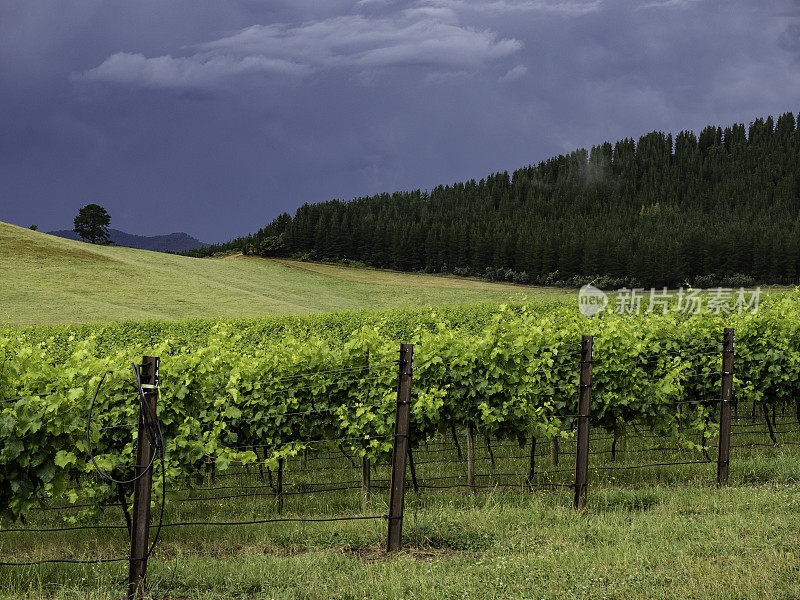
x=397, y=482
x=366, y=479
x=724, y=450
x=211, y=468
x=584, y=410
x=532, y=462
x=622, y=440
x=279, y=491
x=143, y=486
x=471, y=455
x=366, y=482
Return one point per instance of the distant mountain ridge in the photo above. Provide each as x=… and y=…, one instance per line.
x=172, y=242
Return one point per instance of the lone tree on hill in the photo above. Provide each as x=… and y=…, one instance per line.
x=92, y=224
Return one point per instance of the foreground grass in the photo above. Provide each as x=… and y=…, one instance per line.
x=685, y=543
x=49, y=281
x=656, y=533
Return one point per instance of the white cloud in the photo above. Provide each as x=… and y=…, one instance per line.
x=355, y=41
x=669, y=4
x=424, y=36
x=437, y=12
x=190, y=72
x=516, y=73
x=566, y=8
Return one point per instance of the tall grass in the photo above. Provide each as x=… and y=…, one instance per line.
x=658, y=532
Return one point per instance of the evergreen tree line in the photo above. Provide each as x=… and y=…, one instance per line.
x=721, y=208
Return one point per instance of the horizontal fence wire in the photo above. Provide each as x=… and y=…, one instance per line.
x=349, y=466
x=639, y=450
x=477, y=458
x=69, y=528
x=270, y=493
x=764, y=432
x=660, y=464
x=265, y=484
x=319, y=411
x=495, y=475
x=365, y=438
x=68, y=561
x=760, y=419
x=654, y=358
x=129, y=426
x=280, y=520
x=489, y=486
x=714, y=374
x=712, y=401
x=770, y=445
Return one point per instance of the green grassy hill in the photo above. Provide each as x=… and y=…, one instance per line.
x=50, y=280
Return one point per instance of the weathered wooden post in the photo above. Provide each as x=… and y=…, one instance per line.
x=724, y=449
x=532, y=462
x=471, y=455
x=397, y=482
x=366, y=479
x=279, y=490
x=584, y=410
x=143, y=486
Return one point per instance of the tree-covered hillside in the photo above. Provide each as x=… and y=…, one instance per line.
x=721, y=208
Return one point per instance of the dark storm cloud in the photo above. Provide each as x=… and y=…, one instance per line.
x=213, y=117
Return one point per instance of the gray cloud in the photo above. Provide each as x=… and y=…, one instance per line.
x=198, y=71
x=515, y=73
x=423, y=37
x=566, y=8
x=669, y=4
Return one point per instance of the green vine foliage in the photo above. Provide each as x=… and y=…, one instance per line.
x=228, y=403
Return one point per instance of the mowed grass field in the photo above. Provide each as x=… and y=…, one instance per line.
x=48, y=281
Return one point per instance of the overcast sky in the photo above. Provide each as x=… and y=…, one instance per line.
x=214, y=116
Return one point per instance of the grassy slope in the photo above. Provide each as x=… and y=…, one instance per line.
x=49, y=280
